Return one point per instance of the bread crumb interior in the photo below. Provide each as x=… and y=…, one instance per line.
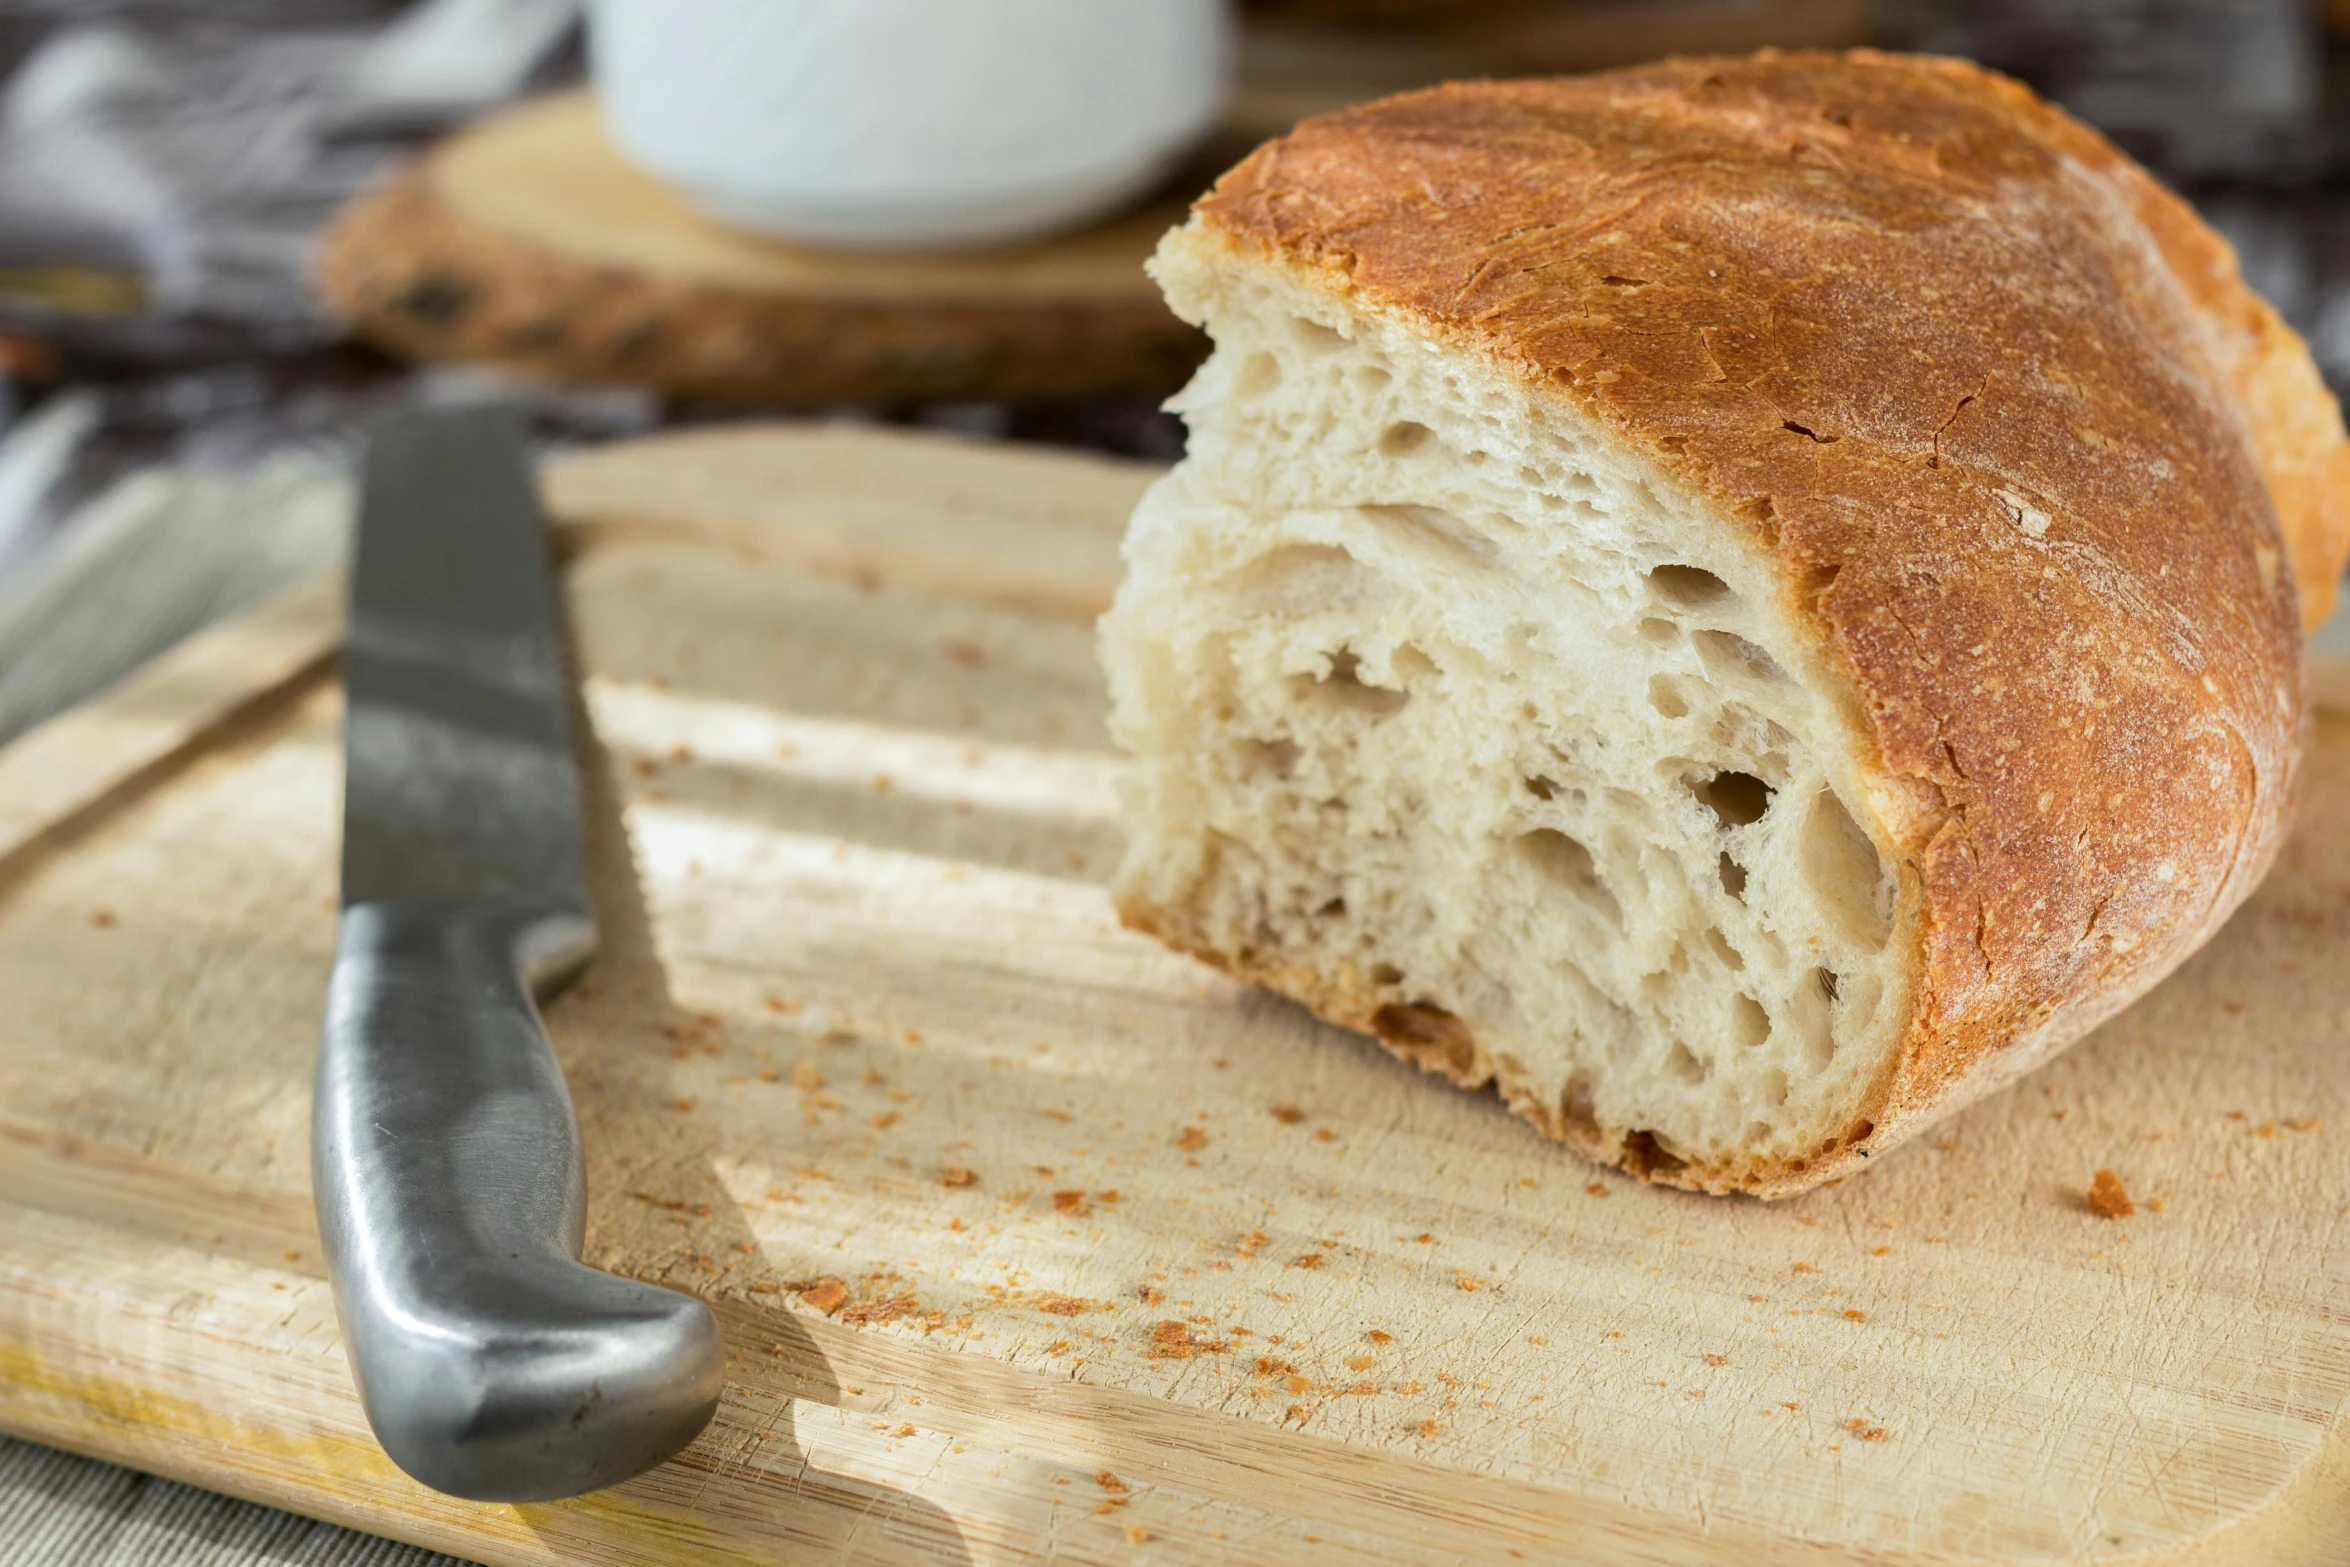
x=1439, y=698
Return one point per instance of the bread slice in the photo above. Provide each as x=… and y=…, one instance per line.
x=1744, y=602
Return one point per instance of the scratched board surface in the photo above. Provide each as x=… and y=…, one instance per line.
x=1034, y=1242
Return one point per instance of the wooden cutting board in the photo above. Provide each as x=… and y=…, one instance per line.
x=1034, y=1243
x=527, y=241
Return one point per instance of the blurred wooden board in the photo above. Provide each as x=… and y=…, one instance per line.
x=527, y=241
x=1133, y=1265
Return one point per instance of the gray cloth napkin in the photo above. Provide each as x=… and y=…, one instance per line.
x=161, y=177
x=57, y=1510
x=163, y=553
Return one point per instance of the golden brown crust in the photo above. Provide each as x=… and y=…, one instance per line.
x=2294, y=421
x=2016, y=434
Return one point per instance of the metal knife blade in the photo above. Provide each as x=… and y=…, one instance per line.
x=460, y=781
x=452, y=1196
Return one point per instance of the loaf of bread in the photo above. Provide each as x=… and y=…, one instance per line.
x=1745, y=602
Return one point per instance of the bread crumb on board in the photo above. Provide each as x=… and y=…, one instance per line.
x=2108, y=1197
x=826, y=1294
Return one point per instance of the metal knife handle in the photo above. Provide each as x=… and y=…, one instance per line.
x=492, y=1363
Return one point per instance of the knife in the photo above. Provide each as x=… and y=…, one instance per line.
x=452, y=1199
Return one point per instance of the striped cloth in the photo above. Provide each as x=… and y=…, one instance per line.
x=57, y=1510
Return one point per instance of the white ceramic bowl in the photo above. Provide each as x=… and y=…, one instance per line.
x=908, y=123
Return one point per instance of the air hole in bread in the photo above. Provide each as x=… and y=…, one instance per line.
x=1826, y=980
x=1277, y=758
x=1810, y=1013
x=1841, y=867
x=1332, y=908
x=1576, y=1112
x=1428, y=1034
x=1774, y=1086
x=1645, y=1155
x=1429, y=530
x=1386, y=974
x=1659, y=631
x=1403, y=438
x=1344, y=686
x=1316, y=338
x=1566, y=861
x=1302, y=577
x=1685, y=1066
x=1410, y=664
x=1733, y=877
x=1260, y=376
x=1687, y=586
x=1374, y=378
x=1750, y=1025
x=1664, y=694
x=1542, y=788
x=1858, y=995
x=1736, y=799
x=1726, y=655
x=1731, y=958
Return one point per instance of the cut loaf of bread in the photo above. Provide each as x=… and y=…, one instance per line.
x=1744, y=602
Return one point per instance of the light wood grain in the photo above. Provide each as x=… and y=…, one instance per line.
x=851, y=813
x=528, y=240
x=546, y=174
x=62, y=768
